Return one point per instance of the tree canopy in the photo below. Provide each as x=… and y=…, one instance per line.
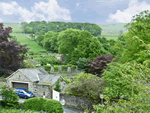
x=12, y=54
x=79, y=44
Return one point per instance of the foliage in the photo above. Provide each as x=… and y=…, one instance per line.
x=28, y=63
x=9, y=98
x=50, y=41
x=28, y=29
x=137, y=78
x=97, y=66
x=124, y=80
x=57, y=86
x=11, y=53
x=139, y=26
x=82, y=64
x=86, y=85
x=36, y=103
x=47, y=67
x=78, y=44
x=38, y=26
x=53, y=106
x=56, y=68
x=44, y=59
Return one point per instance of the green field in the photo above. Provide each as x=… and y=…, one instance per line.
x=32, y=44
x=109, y=34
x=15, y=26
x=113, y=28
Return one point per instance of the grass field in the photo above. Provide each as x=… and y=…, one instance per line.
x=15, y=26
x=32, y=44
x=109, y=34
x=113, y=28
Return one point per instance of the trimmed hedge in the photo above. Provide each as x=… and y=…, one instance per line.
x=47, y=68
x=56, y=68
x=36, y=103
x=53, y=106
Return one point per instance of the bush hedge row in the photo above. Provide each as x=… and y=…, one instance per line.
x=56, y=67
x=39, y=103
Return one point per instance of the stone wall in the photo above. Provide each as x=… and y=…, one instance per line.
x=40, y=90
x=2, y=83
x=20, y=78
x=78, y=102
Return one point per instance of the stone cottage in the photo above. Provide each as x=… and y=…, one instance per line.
x=36, y=80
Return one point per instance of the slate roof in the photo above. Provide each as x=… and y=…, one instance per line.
x=39, y=74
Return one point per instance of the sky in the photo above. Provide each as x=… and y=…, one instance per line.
x=92, y=11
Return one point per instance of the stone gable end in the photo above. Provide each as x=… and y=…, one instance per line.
x=19, y=78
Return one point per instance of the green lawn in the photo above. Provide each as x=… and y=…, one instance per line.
x=113, y=28
x=109, y=34
x=32, y=44
x=108, y=38
x=15, y=26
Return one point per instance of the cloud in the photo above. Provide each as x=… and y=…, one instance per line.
x=77, y=4
x=125, y=16
x=48, y=11
x=1, y=20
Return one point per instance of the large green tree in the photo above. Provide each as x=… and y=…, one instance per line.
x=79, y=44
x=50, y=41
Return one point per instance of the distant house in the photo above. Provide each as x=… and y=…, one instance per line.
x=36, y=80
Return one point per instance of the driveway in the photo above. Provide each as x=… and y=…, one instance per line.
x=66, y=109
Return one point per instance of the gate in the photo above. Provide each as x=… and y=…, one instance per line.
x=56, y=95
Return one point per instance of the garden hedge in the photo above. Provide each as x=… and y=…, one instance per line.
x=53, y=106
x=36, y=103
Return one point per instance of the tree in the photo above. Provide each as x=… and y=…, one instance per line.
x=28, y=29
x=97, y=66
x=12, y=54
x=139, y=26
x=57, y=86
x=82, y=64
x=23, y=26
x=79, y=44
x=86, y=85
x=50, y=41
x=129, y=80
x=125, y=79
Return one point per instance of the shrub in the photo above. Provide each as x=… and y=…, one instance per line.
x=86, y=85
x=47, y=68
x=82, y=64
x=36, y=103
x=9, y=98
x=39, y=66
x=56, y=68
x=53, y=106
x=64, y=67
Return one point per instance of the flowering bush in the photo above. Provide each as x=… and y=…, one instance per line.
x=9, y=98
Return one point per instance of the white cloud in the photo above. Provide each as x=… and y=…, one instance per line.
x=77, y=4
x=125, y=16
x=48, y=11
x=1, y=20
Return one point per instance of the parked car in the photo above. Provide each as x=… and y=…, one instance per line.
x=22, y=92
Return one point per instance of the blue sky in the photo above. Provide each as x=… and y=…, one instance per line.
x=92, y=11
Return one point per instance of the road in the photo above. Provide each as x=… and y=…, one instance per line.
x=66, y=109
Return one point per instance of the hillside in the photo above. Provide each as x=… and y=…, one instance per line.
x=113, y=28
x=15, y=26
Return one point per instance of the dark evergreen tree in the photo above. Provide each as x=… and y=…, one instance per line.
x=12, y=54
